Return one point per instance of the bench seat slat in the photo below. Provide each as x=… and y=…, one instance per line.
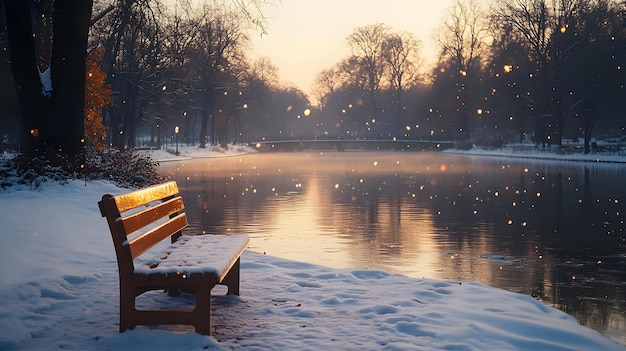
x=143, y=243
x=141, y=219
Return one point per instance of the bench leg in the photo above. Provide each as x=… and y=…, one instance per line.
x=202, y=312
x=231, y=280
x=127, y=310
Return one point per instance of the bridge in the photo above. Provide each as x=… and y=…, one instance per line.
x=351, y=145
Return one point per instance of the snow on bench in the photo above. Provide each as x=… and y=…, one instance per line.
x=189, y=254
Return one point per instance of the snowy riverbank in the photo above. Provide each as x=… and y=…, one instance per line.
x=523, y=151
x=527, y=151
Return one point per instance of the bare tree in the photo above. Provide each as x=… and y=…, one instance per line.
x=175, y=100
x=261, y=79
x=401, y=52
x=265, y=72
x=326, y=83
x=166, y=41
x=133, y=62
x=366, y=44
x=9, y=116
x=542, y=27
x=597, y=65
x=463, y=40
x=381, y=61
x=217, y=46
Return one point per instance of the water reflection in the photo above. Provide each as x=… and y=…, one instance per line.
x=551, y=230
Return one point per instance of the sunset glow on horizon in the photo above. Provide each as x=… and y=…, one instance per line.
x=303, y=38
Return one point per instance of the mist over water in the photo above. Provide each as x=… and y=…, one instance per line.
x=553, y=230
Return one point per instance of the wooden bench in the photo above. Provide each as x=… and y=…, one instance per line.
x=194, y=264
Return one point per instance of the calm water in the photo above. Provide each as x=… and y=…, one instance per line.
x=553, y=230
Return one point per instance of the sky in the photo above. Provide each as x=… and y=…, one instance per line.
x=305, y=37
x=59, y=290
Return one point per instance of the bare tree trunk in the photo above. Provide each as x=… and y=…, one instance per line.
x=25, y=73
x=69, y=56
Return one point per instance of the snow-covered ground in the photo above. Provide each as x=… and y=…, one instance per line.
x=188, y=152
x=60, y=291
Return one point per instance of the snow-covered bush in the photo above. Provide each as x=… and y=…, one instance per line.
x=123, y=167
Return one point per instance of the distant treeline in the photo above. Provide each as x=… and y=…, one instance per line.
x=515, y=70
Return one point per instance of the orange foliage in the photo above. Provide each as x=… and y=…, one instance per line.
x=97, y=96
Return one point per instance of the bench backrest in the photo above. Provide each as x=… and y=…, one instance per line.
x=140, y=219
